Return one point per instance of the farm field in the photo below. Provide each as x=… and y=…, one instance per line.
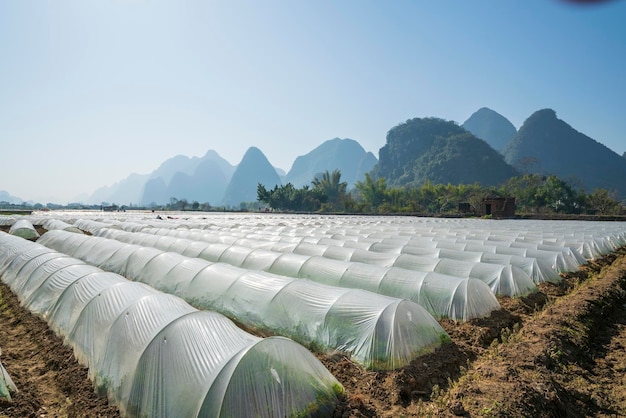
x=555, y=351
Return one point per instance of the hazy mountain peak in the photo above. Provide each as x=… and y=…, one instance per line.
x=253, y=152
x=253, y=169
x=546, y=113
x=491, y=126
x=7, y=197
x=345, y=155
x=545, y=144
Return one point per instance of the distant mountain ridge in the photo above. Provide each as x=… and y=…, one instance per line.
x=7, y=197
x=125, y=191
x=202, y=179
x=434, y=150
x=419, y=150
x=208, y=178
x=545, y=144
x=253, y=169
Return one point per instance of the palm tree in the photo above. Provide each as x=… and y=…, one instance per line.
x=331, y=185
x=372, y=191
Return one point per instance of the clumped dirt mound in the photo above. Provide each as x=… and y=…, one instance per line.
x=558, y=352
x=567, y=360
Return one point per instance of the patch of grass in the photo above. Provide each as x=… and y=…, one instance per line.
x=491, y=411
x=556, y=358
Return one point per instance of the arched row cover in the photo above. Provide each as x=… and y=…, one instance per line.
x=538, y=269
x=589, y=239
x=503, y=279
x=360, y=230
x=51, y=224
x=23, y=228
x=92, y=226
x=7, y=220
x=550, y=261
x=131, y=226
x=451, y=297
x=454, y=248
x=155, y=355
x=376, y=330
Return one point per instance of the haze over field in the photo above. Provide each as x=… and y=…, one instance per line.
x=94, y=91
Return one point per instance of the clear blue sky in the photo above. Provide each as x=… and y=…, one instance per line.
x=92, y=91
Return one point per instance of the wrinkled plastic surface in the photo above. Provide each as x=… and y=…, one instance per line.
x=51, y=224
x=474, y=301
x=503, y=279
x=23, y=228
x=355, y=321
x=155, y=355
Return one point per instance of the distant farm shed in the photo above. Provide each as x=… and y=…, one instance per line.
x=498, y=207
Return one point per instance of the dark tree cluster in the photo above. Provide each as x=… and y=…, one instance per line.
x=533, y=194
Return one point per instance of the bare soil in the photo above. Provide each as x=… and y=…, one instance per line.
x=559, y=352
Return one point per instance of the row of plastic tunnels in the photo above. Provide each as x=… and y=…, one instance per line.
x=152, y=308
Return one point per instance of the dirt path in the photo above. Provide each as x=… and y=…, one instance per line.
x=559, y=352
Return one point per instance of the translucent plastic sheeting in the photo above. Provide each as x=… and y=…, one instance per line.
x=92, y=226
x=549, y=263
x=380, y=335
x=51, y=224
x=539, y=270
x=360, y=231
x=9, y=253
x=71, y=302
x=7, y=220
x=589, y=239
x=567, y=233
x=130, y=333
x=23, y=228
x=155, y=355
x=132, y=226
x=246, y=377
x=6, y=384
x=591, y=248
x=41, y=291
x=33, y=258
x=504, y=280
x=92, y=326
x=424, y=260
x=571, y=259
x=390, y=281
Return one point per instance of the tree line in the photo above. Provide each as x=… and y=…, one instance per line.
x=533, y=193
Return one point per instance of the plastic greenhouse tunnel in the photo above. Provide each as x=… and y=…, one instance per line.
x=155, y=355
x=23, y=228
x=379, y=332
x=507, y=280
x=51, y=224
x=584, y=240
x=444, y=296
